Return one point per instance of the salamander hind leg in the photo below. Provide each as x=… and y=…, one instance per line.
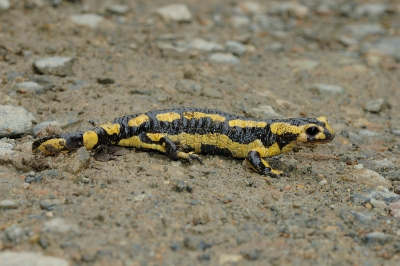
x=169, y=148
x=261, y=166
x=174, y=153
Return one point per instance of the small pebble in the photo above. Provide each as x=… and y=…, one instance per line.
x=180, y=186
x=29, y=86
x=189, y=86
x=88, y=20
x=389, y=46
x=326, y=89
x=377, y=238
x=376, y=106
x=359, y=166
x=11, y=258
x=224, y=58
x=204, y=45
x=263, y=111
x=8, y=204
x=15, y=121
x=4, y=4
x=290, y=8
x=59, y=66
x=175, y=12
x=371, y=9
x=235, y=48
x=118, y=9
x=49, y=204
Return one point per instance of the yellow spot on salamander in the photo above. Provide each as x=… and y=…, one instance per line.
x=90, y=139
x=198, y=115
x=246, y=123
x=56, y=144
x=281, y=128
x=155, y=136
x=238, y=150
x=137, y=143
x=111, y=128
x=168, y=117
x=327, y=126
x=137, y=121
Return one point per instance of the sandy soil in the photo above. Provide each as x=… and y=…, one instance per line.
x=338, y=207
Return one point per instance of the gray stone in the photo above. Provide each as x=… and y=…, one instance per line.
x=15, y=121
x=10, y=258
x=347, y=40
x=118, y=9
x=370, y=178
x=380, y=165
x=363, y=30
x=8, y=204
x=263, y=111
x=395, y=131
x=212, y=93
x=378, y=204
x=29, y=86
x=377, y=238
x=235, y=48
x=362, y=217
x=49, y=204
x=375, y=106
x=389, y=46
x=78, y=84
x=189, y=86
x=224, y=58
x=275, y=47
x=368, y=133
x=383, y=194
x=60, y=225
x=355, y=138
x=169, y=37
x=371, y=9
x=6, y=146
x=175, y=12
x=172, y=50
x=250, y=7
x=304, y=65
x=4, y=4
x=180, y=186
x=290, y=8
x=43, y=125
x=62, y=122
x=16, y=233
x=80, y=161
x=240, y=21
x=326, y=89
x=59, y=66
x=195, y=243
x=204, y=45
x=88, y=20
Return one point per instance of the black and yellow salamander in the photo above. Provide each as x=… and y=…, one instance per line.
x=182, y=133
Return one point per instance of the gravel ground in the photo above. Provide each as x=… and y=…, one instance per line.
x=70, y=65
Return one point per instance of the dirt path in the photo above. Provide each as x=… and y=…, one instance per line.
x=340, y=205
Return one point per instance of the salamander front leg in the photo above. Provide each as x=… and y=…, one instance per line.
x=261, y=166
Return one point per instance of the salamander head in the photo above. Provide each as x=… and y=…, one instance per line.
x=315, y=131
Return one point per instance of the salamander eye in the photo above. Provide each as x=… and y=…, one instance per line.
x=312, y=131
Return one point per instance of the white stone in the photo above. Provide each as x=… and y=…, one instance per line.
x=10, y=258
x=175, y=12
x=4, y=4
x=89, y=20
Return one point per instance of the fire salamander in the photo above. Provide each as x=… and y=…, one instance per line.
x=183, y=133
